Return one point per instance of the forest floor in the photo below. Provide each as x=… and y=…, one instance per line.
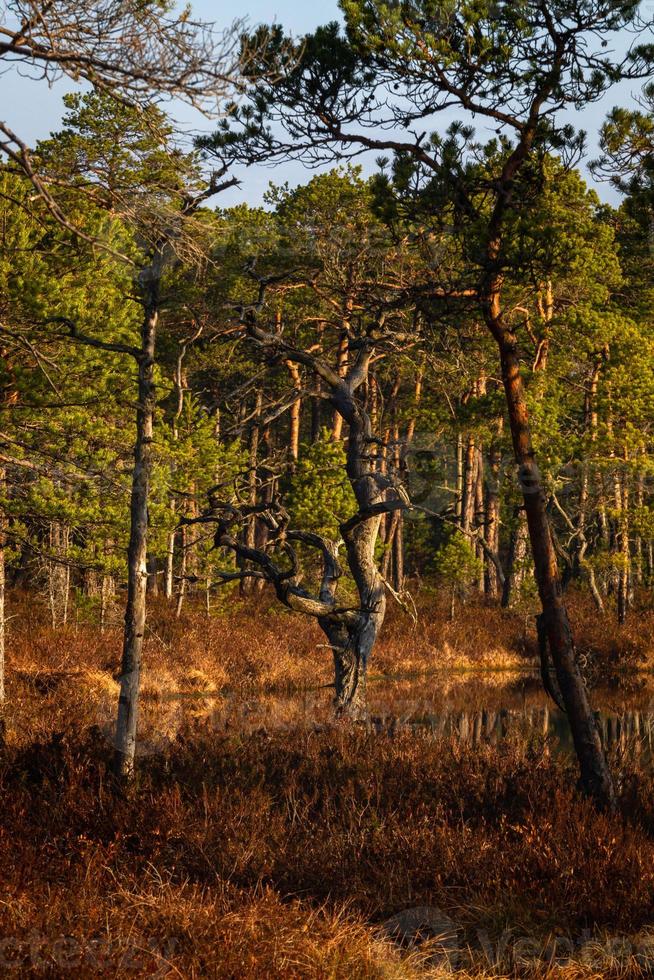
x=246, y=849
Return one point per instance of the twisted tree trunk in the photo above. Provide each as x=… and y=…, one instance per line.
x=356, y=642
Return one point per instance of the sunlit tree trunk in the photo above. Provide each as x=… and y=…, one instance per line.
x=169, y=571
x=492, y=518
x=352, y=655
x=459, y=478
x=247, y=585
x=153, y=576
x=621, y=489
x=58, y=573
x=515, y=567
x=590, y=411
x=342, y=359
x=638, y=541
x=130, y=675
x=295, y=413
x=469, y=485
x=183, y=558
x=480, y=514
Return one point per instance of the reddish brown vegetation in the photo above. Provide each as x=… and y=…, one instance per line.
x=252, y=644
x=251, y=853
x=230, y=843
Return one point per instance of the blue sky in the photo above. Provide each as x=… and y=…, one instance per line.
x=33, y=110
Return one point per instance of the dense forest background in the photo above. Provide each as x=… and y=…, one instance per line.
x=340, y=258
x=580, y=293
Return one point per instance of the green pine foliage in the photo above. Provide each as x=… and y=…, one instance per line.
x=320, y=496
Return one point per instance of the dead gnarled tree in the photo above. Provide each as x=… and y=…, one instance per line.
x=351, y=629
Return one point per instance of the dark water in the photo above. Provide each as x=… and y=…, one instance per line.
x=491, y=707
x=484, y=708
x=631, y=731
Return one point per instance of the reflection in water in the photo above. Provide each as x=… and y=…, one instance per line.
x=487, y=710
x=475, y=710
x=630, y=733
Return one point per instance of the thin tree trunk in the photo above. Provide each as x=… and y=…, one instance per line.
x=546, y=309
x=584, y=493
x=595, y=775
x=295, y=412
x=181, y=386
x=153, y=576
x=130, y=676
x=58, y=574
x=181, y=592
x=106, y=599
x=372, y=407
x=316, y=400
x=341, y=367
x=469, y=486
x=169, y=572
x=480, y=516
x=398, y=554
x=192, y=538
x=247, y=585
x=459, y=478
x=417, y=398
x=638, y=541
x=622, y=542
x=266, y=496
x=518, y=541
x=492, y=518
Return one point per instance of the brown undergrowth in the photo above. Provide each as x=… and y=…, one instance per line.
x=254, y=644
x=249, y=849
x=280, y=855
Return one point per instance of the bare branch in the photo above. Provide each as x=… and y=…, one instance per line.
x=73, y=332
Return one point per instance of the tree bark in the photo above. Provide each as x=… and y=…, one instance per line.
x=516, y=557
x=638, y=541
x=621, y=484
x=58, y=574
x=107, y=590
x=492, y=519
x=153, y=575
x=170, y=562
x=469, y=486
x=341, y=367
x=590, y=411
x=595, y=775
x=352, y=644
x=247, y=586
x=459, y=478
x=295, y=413
x=130, y=676
x=181, y=592
x=480, y=516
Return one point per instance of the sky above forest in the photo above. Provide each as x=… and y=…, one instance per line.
x=34, y=111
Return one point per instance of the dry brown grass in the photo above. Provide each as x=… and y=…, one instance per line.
x=262, y=840
x=254, y=645
x=260, y=855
